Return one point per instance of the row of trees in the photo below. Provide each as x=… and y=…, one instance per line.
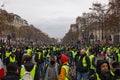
x=21, y=34
x=102, y=22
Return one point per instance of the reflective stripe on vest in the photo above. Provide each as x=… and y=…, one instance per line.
x=91, y=59
x=66, y=67
x=118, y=54
x=112, y=73
x=117, y=50
x=83, y=61
x=74, y=53
x=87, y=52
x=44, y=51
x=32, y=72
x=54, y=48
x=39, y=55
x=98, y=78
x=12, y=59
x=48, y=54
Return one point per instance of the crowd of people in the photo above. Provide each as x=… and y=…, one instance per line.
x=59, y=62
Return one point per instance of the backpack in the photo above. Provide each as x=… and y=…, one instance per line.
x=26, y=75
x=71, y=74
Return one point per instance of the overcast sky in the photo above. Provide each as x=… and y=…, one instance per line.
x=51, y=16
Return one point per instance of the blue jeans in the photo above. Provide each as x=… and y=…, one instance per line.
x=41, y=70
x=82, y=75
x=46, y=60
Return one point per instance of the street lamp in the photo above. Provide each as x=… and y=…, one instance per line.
x=102, y=22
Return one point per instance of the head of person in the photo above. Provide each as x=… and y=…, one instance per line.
x=103, y=68
x=108, y=52
x=28, y=58
x=18, y=49
x=12, y=68
x=52, y=60
x=94, y=52
x=64, y=58
x=102, y=65
x=58, y=56
x=82, y=52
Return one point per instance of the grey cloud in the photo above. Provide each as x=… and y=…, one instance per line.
x=52, y=16
x=55, y=27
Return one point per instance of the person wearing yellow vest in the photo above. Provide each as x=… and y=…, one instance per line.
x=82, y=65
x=39, y=59
x=116, y=69
x=7, y=54
x=47, y=55
x=29, y=51
x=103, y=71
x=73, y=54
x=110, y=56
x=92, y=62
x=11, y=58
x=30, y=67
x=117, y=55
x=64, y=70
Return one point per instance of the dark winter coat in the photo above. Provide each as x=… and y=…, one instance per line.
x=80, y=67
x=11, y=76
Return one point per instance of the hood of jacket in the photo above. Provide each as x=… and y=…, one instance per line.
x=64, y=58
x=99, y=63
x=29, y=66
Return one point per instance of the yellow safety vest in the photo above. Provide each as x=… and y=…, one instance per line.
x=32, y=72
x=44, y=51
x=7, y=54
x=83, y=61
x=48, y=54
x=74, y=53
x=91, y=58
x=54, y=48
x=87, y=52
x=39, y=55
x=118, y=54
x=66, y=67
x=29, y=52
x=12, y=59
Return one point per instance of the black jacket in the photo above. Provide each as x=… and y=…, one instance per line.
x=11, y=76
x=80, y=67
x=39, y=61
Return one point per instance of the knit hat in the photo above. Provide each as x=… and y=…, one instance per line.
x=64, y=58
